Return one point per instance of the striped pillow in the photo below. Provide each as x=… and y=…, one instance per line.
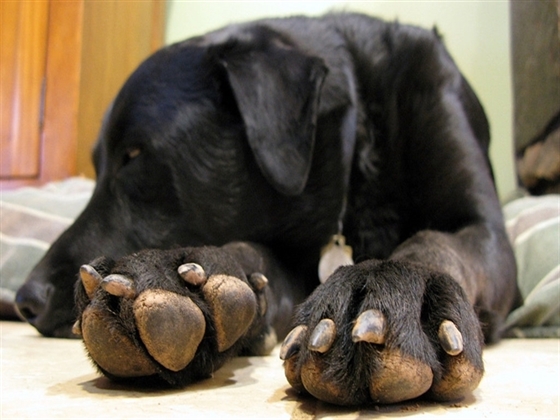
x=533, y=225
x=30, y=220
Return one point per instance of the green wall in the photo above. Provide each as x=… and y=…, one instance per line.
x=475, y=32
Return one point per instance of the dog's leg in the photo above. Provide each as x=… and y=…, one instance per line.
x=393, y=330
x=179, y=315
x=412, y=325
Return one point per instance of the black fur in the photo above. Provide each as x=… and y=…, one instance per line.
x=240, y=135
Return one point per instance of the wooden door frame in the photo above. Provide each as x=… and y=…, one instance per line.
x=60, y=121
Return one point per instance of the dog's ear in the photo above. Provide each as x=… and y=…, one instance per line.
x=276, y=87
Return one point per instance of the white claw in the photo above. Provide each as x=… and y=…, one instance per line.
x=119, y=285
x=193, y=274
x=90, y=278
x=77, y=328
x=258, y=281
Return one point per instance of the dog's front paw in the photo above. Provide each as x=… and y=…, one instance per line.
x=175, y=314
x=384, y=332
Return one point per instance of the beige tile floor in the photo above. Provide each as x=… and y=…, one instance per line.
x=52, y=378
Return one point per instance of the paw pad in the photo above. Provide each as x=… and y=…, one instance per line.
x=111, y=348
x=170, y=326
x=231, y=301
x=233, y=305
x=399, y=378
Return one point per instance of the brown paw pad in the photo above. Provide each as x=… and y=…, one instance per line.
x=110, y=348
x=399, y=378
x=170, y=326
x=459, y=379
x=315, y=382
x=233, y=305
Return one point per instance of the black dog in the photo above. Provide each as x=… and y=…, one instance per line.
x=257, y=146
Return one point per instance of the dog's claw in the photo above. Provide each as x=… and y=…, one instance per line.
x=258, y=281
x=450, y=338
x=323, y=336
x=119, y=285
x=77, y=328
x=90, y=278
x=292, y=342
x=193, y=274
x=234, y=306
x=289, y=354
x=370, y=327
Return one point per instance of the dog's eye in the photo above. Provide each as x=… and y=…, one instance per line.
x=131, y=154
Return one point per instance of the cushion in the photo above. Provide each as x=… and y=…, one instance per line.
x=30, y=220
x=533, y=226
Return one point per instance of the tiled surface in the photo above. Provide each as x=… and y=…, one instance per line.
x=52, y=378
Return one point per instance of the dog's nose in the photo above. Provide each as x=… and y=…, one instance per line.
x=31, y=300
x=38, y=304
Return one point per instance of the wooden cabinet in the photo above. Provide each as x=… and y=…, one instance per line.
x=62, y=62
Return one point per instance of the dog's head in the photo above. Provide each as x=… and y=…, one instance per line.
x=199, y=141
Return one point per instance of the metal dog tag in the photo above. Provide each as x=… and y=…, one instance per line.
x=333, y=255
